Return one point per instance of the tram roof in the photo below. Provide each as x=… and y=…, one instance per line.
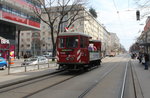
x=95, y=41
x=2, y=37
x=73, y=33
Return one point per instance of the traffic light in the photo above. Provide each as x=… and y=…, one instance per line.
x=137, y=15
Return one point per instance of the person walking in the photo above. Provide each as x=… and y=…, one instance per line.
x=146, y=57
x=140, y=57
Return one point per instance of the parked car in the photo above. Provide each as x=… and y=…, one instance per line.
x=35, y=60
x=3, y=63
x=48, y=55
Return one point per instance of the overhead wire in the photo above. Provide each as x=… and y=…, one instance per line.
x=118, y=14
x=115, y=5
x=145, y=4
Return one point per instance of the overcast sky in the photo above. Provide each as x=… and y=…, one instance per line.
x=118, y=16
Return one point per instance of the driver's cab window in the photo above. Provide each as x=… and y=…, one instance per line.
x=61, y=43
x=72, y=42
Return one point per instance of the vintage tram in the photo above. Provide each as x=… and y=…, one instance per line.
x=76, y=51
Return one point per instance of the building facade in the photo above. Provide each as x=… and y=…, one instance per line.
x=88, y=25
x=115, y=43
x=144, y=39
x=16, y=16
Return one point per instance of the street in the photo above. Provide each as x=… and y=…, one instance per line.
x=73, y=49
x=102, y=82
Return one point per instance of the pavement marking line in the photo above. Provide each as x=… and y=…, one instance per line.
x=124, y=81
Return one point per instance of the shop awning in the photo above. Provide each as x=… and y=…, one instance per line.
x=144, y=44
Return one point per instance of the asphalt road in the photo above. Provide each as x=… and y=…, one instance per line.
x=108, y=79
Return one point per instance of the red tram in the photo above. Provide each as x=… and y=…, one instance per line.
x=76, y=51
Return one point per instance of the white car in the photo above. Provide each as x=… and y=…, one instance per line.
x=35, y=61
x=48, y=55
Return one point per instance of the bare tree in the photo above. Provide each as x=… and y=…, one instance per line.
x=56, y=11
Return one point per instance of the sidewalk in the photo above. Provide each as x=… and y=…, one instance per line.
x=143, y=78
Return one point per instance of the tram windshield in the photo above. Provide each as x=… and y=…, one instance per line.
x=71, y=42
x=68, y=42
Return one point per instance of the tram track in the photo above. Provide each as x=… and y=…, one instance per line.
x=32, y=85
x=124, y=81
x=47, y=82
x=55, y=84
x=136, y=85
x=28, y=79
x=91, y=87
x=102, y=78
x=131, y=87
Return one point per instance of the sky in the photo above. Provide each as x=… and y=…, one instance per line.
x=119, y=16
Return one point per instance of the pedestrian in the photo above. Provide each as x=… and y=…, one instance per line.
x=146, y=57
x=140, y=57
x=133, y=55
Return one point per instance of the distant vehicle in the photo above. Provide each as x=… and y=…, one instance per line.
x=35, y=61
x=3, y=63
x=48, y=55
x=112, y=54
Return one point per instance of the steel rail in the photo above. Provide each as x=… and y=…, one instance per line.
x=55, y=84
x=35, y=79
x=30, y=79
x=97, y=82
x=38, y=80
x=124, y=81
x=136, y=85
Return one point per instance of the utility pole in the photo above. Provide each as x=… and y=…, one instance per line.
x=18, y=46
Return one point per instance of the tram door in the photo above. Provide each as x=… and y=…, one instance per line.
x=84, y=42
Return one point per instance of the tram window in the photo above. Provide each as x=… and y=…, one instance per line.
x=83, y=42
x=61, y=43
x=72, y=42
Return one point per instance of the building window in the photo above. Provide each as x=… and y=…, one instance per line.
x=43, y=27
x=28, y=45
x=49, y=38
x=22, y=34
x=22, y=46
x=28, y=39
x=28, y=34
